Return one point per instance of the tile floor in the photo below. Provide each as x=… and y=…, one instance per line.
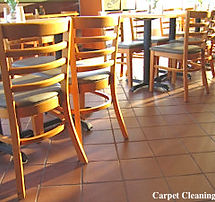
x=171, y=149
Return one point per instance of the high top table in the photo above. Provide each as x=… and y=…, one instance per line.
x=147, y=37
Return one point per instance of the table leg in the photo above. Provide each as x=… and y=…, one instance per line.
x=172, y=33
x=172, y=29
x=147, y=45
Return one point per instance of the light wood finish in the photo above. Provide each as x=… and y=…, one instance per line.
x=103, y=59
x=60, y=99
x=191, y=37
x=127, y=53
x=211, y=43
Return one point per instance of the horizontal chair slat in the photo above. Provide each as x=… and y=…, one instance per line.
x=96, y=53
x=198, y=25
x=37, y=68
x=37, y=50
x=86, y=22
x=54, y=27
x=95, y=67
x=94, y=39
x=38, y=138
x=38, y=84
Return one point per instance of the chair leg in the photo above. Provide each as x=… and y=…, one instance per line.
x=37, y=124
x=73, y=133
x=152, y=72
x=174, y=65
x=117, y=109
x=204, y=76
x=82, y=102
x=72, y=130
x=17, y=160
x=156, y=73
x=212, y=67
x=129, y=69
x=185, y=81
x=122, y=65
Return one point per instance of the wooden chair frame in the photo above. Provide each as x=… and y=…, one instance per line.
x=107, y=53
x=58, y=103
x=200, y=37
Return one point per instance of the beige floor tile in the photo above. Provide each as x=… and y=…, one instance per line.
x=125, y=113
x=100, y=124
x=11, y=195
x=130, y=150
x=33, y=175
x=60, y=193
x=130, y=122
x=101, y=152
x=134, y=134
x=140, y=168
x=195, y=184
x=177, y=165
x=102, y=114
x=172, y=109
x=167, y=147
x=151, y=121
x=37, y=153
x=177, y=119
x=62, y=174
x=104, y=192
x=98, y=137
x=209, y=128
x=203, y=117
x=142, y=190
x=101, y=171
x=205, y=161
x=199, y=144
x=146, y=111
x=62, y=151
x=160, y=132
x=211, y=178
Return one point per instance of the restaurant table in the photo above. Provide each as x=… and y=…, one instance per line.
x=147, y=38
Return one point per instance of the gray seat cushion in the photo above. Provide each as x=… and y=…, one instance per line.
x=33, y=61
x=130, y=44
x=30, y=97
x=176, y=48
x=93, y=76
x=83, y=77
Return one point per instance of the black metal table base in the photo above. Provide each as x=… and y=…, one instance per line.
x=138, y=86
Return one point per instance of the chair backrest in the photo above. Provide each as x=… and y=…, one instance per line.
x=196, y=27
x=196, y=30
x=212, y=22
x=36, y=28
x=106, y=54
x=137, y=28
x=164, y=23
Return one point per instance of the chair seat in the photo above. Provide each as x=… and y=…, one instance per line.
x=33, y=61
x=130, y=44
x=93, y=76
x=83, y=77
x=176, y=48
x=30, y=97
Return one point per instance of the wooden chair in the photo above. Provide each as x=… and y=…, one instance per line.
x=95, y=69
x=211, y=43
x=191, y=51
x=30, y=94
x=134, y=48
